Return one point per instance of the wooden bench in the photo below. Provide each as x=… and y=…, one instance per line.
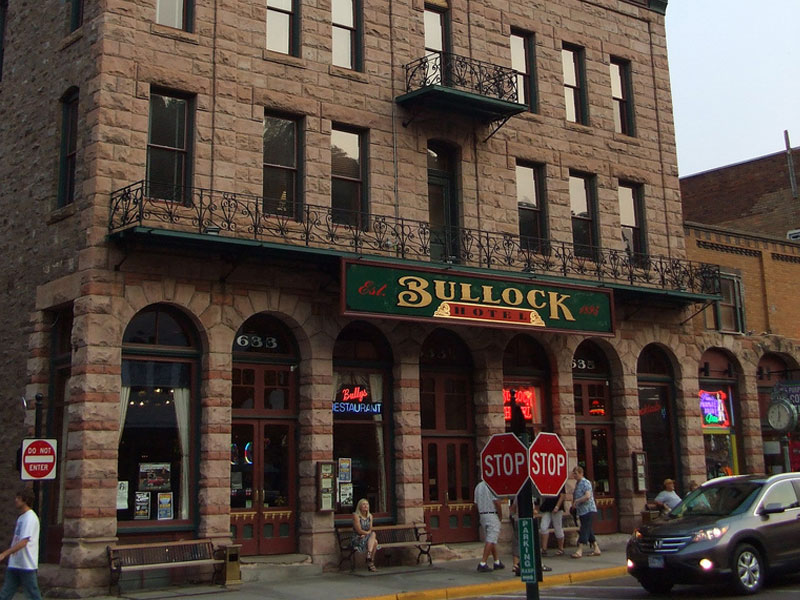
x=161, y=555
x=414, y=535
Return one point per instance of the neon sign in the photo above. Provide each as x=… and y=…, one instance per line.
x=713, y=409
x=526, y=400
x=355, y=399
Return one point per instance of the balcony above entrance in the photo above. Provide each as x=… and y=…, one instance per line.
x=454, y=83
x=202, y=218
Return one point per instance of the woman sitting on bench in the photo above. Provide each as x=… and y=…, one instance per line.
x=364, y=538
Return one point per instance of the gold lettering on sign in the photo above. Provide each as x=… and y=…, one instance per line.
x=532, y=298
x=466, y=291
x=415, y=295
x=557, y=302
x=438, y=289
x=507, y=294
x=487, y=295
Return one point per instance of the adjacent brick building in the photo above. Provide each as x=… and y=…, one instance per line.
x=236, y=259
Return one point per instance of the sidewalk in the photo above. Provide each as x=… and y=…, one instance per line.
x=444, y=580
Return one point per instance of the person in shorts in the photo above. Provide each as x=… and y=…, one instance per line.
x=23, y=554
x=489, y=509
x=552, y=513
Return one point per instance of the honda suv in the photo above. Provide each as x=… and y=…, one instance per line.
x=731, y=529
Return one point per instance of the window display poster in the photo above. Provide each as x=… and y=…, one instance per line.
x=345, y=470
x=154, y=477
x=164, y=506
x=122, y=495
x=141, y=509
x=346, y=494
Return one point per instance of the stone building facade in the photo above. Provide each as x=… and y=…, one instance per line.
x=242, y=265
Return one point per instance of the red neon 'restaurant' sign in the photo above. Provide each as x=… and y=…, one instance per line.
x=526, y=400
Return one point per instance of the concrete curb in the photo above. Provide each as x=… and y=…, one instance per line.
x=500, y=587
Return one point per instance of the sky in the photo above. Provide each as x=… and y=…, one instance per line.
x=735, y=78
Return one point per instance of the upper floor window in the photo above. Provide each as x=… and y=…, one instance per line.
x=522, y=62
x=584, y=228
x=169, y=155
x=281, y=162
x=621, y=96
x=574, y=84
x=69, y=148
x=436, y=44
x=3, y=17
x=76, y=15
x=344, y=22
x=630, y=216
x=281, y=26
x=174, y=13
x=530, y=200
x=728, y=313
x=348, y=202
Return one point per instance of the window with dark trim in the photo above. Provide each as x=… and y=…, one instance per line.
x=622, y=95
x=530, y=204
x=3, y=17
x=728, y=314
x=282, y=27
x=175, y=13
x=169, y=152
x=631, y=218
x=582, y=208
x=572, y=62
x=345, y=26
x=522, y=61
x=76, y=14
x=436, y=43
x=348, y=168
x=282, y=159
x=69, y=148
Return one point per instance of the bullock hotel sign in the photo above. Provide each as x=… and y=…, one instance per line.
x=446, y=296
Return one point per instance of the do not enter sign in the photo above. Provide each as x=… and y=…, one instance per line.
x=504, y=464
x=38, y=459
x=548, y=464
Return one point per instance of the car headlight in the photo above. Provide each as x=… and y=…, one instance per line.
x=637, y=535
x=706, y=535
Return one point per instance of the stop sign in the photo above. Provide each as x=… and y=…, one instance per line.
x=504, y=464
x=548, y=464
x=38, y=459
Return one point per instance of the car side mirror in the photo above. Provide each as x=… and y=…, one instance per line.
x=772, y=508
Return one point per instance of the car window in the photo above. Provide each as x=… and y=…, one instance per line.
x=720, y=500
x=783, y=494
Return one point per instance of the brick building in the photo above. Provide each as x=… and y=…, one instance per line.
x=248, y=241
x=760, y=268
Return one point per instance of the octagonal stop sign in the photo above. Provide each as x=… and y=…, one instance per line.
x=547, y=457
x=504, y=464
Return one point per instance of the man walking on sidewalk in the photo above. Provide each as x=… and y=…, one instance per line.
x=489, y=507
x=24, y=551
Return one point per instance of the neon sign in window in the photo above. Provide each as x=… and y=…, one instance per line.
x=526, y=400
x=713, y=408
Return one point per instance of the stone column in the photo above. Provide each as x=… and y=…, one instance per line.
x=407, y=433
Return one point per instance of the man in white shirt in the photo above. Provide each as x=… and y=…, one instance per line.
x=23, y=565
x=667, y=499
x=489, y=507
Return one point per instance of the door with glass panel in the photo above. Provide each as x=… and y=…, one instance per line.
x=595, y=440
x=448, y=450
x=263, y=461
x=442, y=206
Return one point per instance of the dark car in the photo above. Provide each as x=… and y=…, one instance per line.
x=731, y=529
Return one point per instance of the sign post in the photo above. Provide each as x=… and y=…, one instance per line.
x=38, y=460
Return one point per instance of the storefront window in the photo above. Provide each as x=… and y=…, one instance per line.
x=525, y=373
x=717, y=401
x=156, y=418
x=771, y=370
x=362, y=418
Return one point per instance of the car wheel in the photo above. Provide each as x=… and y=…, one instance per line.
x=656, y=585
x=748, y=570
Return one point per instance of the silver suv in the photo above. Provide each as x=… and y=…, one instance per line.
x=731, y=529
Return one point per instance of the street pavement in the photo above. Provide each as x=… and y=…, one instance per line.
x=444, y=580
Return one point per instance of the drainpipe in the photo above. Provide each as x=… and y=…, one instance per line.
x=790, y=161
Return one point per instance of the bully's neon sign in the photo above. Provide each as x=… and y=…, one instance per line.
x=526, y=400
x=713, y=409
x=355, y=399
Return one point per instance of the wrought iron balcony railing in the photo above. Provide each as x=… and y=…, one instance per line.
x=463, y=73
x=243, y=216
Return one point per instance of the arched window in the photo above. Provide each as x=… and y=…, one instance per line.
x=362, y=417
x=442, y=203
x=719, y=410
x=771, y=369
x=657, y=417
x=158, y=413
x=526, y=372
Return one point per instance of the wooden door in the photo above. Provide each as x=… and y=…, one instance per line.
x=448, y=452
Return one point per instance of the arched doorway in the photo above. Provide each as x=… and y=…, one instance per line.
x=263, y=437
x=448, y=438
x=772, y=369
x=594, y=430
x=159, y=416
x=526, y=372
x=362, y=369
x=719, y=401
x=656, y=386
